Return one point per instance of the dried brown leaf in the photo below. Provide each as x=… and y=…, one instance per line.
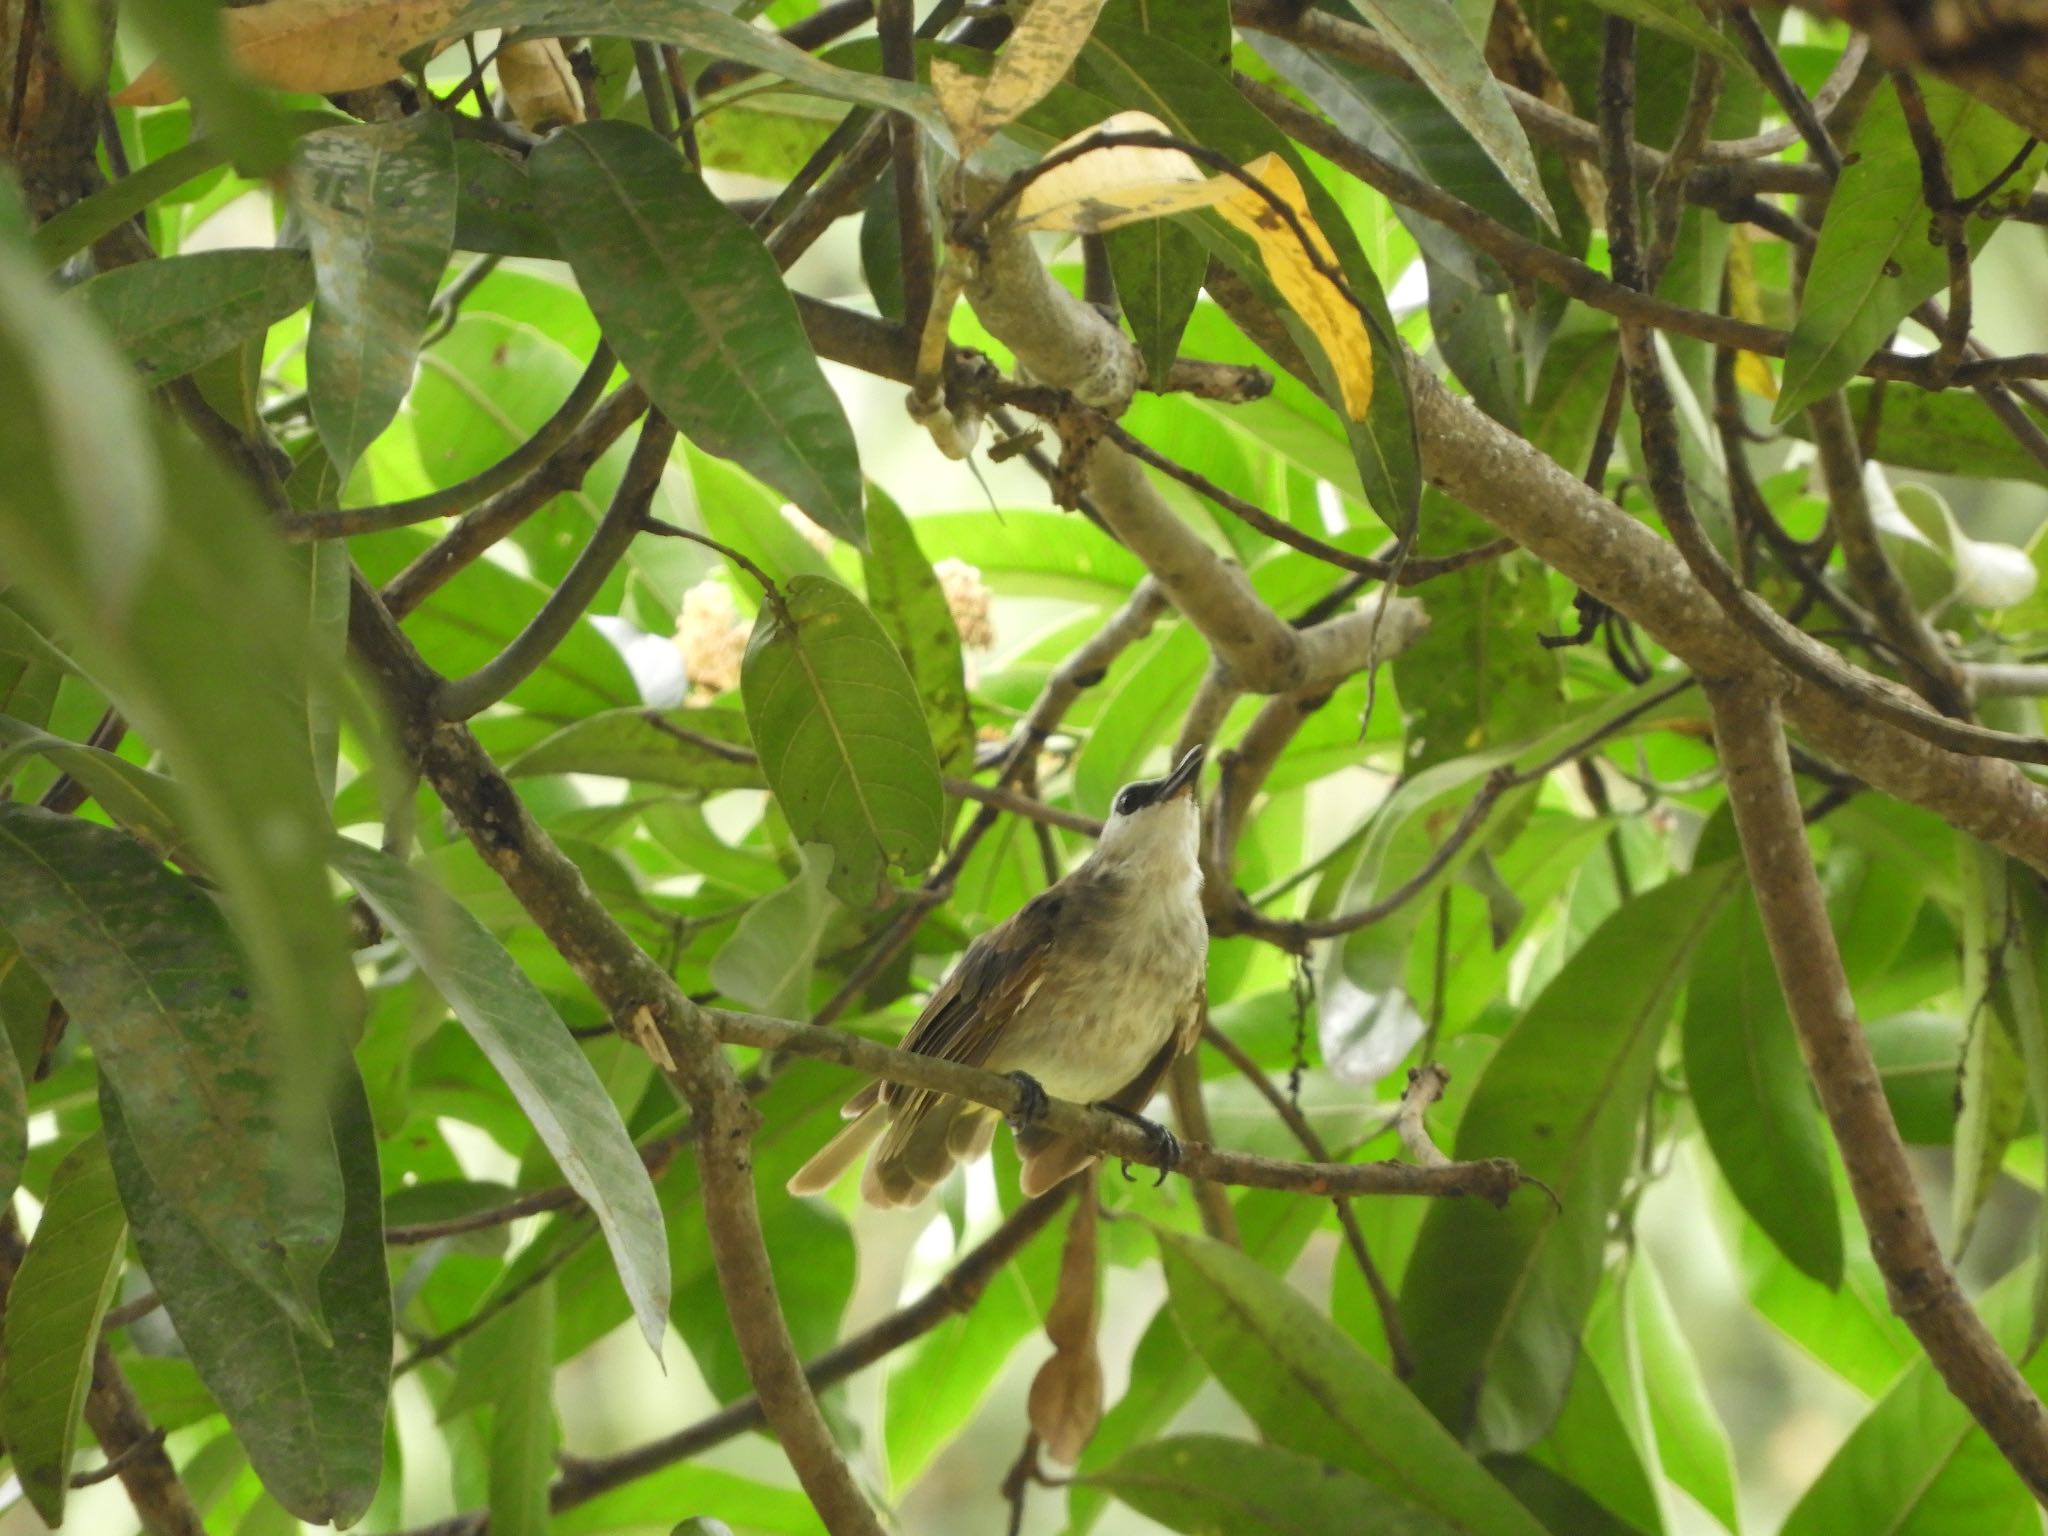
x=539, y=84
x=1066, y=1395
x=320, y=46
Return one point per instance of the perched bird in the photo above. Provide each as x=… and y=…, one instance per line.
x=1088, y=992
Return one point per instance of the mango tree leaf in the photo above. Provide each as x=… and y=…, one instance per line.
x=1494, y=1301
x=842, y=736
x=1204, y=1483
x=701, y=750
x=146, y=804
x=54, y=1308
x=1992, y=1091
x=695, y=308
x=709, y=29
x=378, y=203
x=147, y=967
x=311, y=1416
x=907, y=599
x=1942, y=433
x=766, y=964
x=1692, y=1442
x=1679, y=20
x=523, y=1414
x=1432, y=40
x=1874, y=262
x=1195, y=98
x=1309, y=1388
x=1750, y=1089
x=525, y=1039
x=188, y=34
x=1918, y=1462
x=169, y=316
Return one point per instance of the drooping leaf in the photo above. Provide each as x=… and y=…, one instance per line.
x=766, y=964
x=54, y=1308
x=1494, y=1301
x=1749, y=1087
x=1207, y=1483
x=1432, y=40
x=701, y=750
x=1692, y=1442
x=170, y=316
x=1991, y=1089
x=378, y=203
x=525, y=1039
x=311, y=1416
x=147, y=967
x=1874, y=262
x=697, y=312
x=907, y=599
x=1310, y=1389
x=842, y=736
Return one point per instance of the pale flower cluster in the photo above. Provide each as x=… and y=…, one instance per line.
x=711, y=638
x=970, y=600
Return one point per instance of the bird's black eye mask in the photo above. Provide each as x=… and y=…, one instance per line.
x=1135, y=797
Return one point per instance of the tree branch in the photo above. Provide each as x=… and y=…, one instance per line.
x=1923, y=1290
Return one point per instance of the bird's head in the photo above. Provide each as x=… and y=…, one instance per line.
x=1155, y=823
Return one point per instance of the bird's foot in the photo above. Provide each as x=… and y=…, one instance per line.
x=1165, y=1145
x=1031, y=1100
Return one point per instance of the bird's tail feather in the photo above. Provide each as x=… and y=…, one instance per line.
x=837, y=1155
x=922, y=1147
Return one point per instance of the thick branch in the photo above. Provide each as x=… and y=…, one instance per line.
x=1922, y=1288
x=1066, y=344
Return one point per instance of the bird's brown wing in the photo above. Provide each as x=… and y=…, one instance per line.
x=995, y=978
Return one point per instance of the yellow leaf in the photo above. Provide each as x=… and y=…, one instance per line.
x=1334, y=320
x=320, y=46
x=539, y=84
x=1041, y=49
x=1745, y=302
x=1117, y=185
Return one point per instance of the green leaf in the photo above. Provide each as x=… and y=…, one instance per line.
x=696, y=309
x=169, y=316
x=1494, y=1300
x=128, y=544
x=907, y=599
x=708, y=29
x=700, y=750
x=1918, y=1463
x=1992, y=1093
x=525, y=1039
x=1874, y=262
x=523, y=1414
x=1750, y=1089
x=842, y=736
x=1310, y=1389
x=1941, y=433
x=146, y=804
x=1211, y=1485
x=494, y=208
x=1692, y=1443
x=766, y=964
x=54, y=1308
x=1679, y=20
x=147, y=967
x=310, y=1416
x=1434, y=43
x=378, y=203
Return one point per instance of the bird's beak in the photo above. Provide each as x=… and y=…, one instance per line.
x=1183, y=777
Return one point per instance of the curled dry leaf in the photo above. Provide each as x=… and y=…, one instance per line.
x=1426, y=1085
x=1066, y=1394
x=1117, y=184
x=1041, y=50
x=1330, y=316
x=315, y=45
x=539, y=84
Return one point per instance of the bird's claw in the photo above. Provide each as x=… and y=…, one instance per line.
x=1165, y=1145
x=1031, y=1100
